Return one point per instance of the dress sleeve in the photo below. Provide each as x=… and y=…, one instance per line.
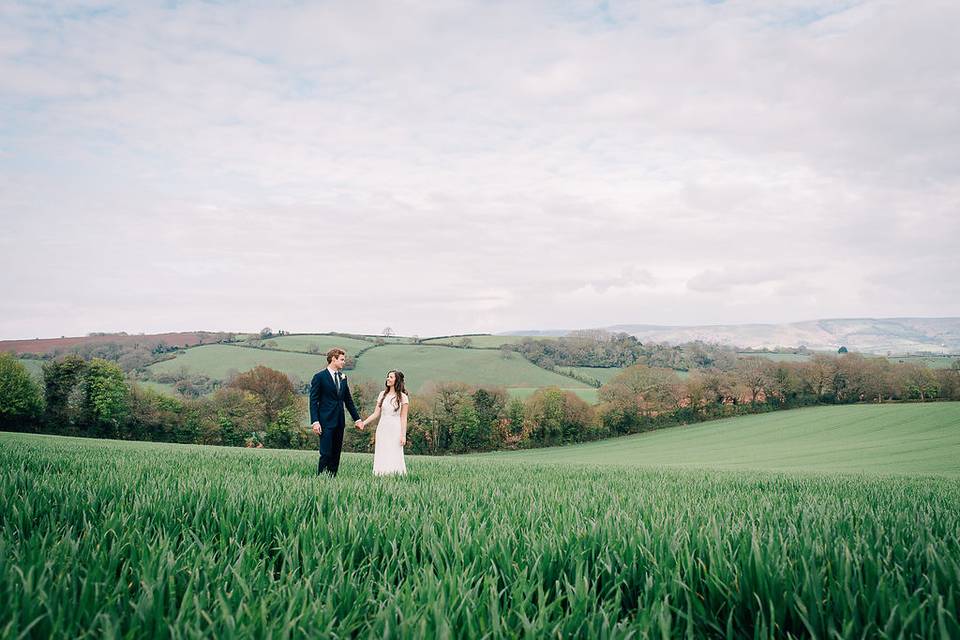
x=404, y=399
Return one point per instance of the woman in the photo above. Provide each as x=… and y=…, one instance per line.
x=391, y=435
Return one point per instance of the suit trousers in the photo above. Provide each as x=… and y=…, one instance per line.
x=331, y=444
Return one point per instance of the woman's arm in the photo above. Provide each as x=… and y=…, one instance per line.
x=404, y=408
x=373, y=416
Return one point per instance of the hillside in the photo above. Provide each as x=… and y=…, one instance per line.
x=42, y=346
x=423, y=364
x=890, y=438
x=867, y=335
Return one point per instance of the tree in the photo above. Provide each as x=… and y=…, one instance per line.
x=842, y=349
x=104, y=398
x=21, y=401
x=265, y=333
x=466, y=343
x=387, y=332
x=273, y=387
x=61, y=382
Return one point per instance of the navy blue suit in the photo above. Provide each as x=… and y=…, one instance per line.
x=326, y=407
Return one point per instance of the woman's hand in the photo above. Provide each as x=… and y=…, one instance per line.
x=403, y=441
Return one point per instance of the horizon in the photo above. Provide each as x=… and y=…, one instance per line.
x=514, y=332
x=476, y=168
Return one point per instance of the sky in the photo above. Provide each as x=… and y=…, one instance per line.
x=455, y=167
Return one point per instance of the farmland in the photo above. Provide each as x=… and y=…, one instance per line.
x=484, y=342
x=422, y=364
x=107, y=539
x=217, y=361
x=320, y=342
x=890, y=438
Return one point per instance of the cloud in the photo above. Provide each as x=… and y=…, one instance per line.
x=501, y=165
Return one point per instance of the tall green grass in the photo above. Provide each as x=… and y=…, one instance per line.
x=105, y=539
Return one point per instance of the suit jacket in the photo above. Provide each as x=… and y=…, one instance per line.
x=326, y=404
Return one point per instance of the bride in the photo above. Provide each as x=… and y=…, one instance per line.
x=391, y=434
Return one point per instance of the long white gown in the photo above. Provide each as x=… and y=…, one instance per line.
x=387, y=452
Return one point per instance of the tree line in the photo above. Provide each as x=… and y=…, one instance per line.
x=264, y=407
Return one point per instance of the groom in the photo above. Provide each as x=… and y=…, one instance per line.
x=328, y=393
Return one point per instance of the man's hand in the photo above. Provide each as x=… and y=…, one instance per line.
x=317, y=429
x=359, y=424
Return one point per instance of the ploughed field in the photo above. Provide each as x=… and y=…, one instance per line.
x=106, y=539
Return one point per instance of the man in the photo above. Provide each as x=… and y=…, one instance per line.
x=328, y=393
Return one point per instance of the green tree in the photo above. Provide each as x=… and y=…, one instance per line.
x=21, y=401
x=61, y=383
x=104, y=398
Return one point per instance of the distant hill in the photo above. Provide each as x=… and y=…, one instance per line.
x=41, y=346
x=866, y=335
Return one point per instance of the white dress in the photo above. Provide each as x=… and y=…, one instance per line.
x=387, y=452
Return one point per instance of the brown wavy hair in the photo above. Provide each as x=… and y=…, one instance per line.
x=398, y=388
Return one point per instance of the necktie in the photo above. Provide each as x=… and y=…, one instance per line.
x=337, y=376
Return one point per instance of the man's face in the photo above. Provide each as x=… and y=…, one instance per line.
x=338, y=362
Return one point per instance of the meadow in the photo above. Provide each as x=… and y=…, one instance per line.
x=118, y=539
x=218, y=361
x=321, y=342
x=422, y=364
x=484, y=342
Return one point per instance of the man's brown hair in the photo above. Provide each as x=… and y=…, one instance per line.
x=336, y=352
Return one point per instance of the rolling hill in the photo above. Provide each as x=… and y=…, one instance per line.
x=882, y=336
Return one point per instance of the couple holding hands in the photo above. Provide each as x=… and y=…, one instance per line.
x=329, y=392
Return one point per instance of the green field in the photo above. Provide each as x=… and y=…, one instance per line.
x=120, y=539
x=322, y=342
x=158, y=387
x=776, y=357
x=933, y=362
x=486, y=342
x=889, y=438
x=217, y=361
x=422, y=364
x=34, y=367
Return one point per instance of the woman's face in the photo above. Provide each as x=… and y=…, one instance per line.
x=391, y=379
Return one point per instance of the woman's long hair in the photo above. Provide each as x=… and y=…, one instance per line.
x=398, y=388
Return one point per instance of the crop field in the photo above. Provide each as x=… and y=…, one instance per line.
x=118, y=539
x=323, y=343
x=218, y=360
x=422, y=364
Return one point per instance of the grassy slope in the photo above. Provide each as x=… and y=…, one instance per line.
x=891, y=438
x=422, y=364
x=485, y=341
x=217, y=360
x=323, y=342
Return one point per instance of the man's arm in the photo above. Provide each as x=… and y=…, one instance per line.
x=315, y=401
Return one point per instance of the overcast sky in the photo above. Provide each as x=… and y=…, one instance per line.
x=448, y=167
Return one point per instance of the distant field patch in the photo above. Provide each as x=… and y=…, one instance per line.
x=933, y=362
x=886, y=438
x=485, y=342
x=159, y=387
x=776, y=357
x=322, y=342
x=422, y=363
x=218, y=361
x=34, y=367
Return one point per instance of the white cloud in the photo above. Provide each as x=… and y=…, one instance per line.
x=501, y=165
